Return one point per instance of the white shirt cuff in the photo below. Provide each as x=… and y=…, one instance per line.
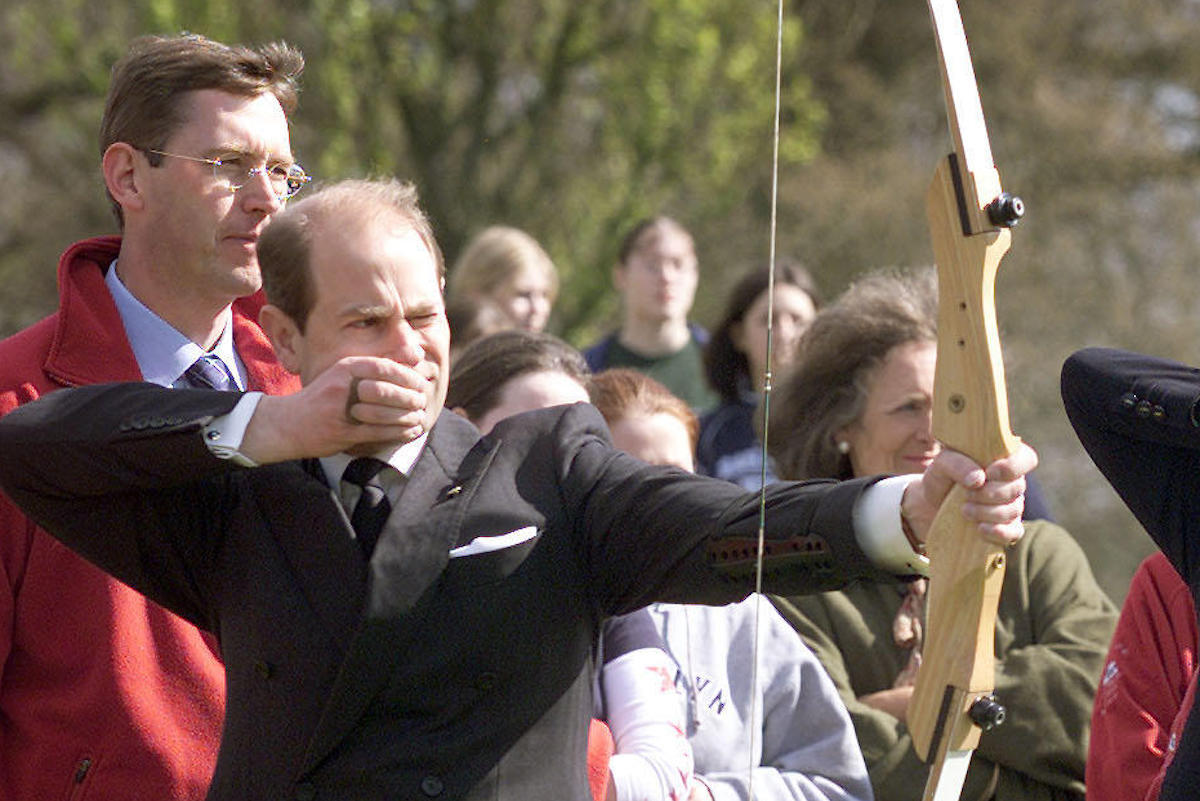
x=223, y=435
x=878, y=529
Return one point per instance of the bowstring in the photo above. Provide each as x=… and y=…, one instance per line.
x=766, y=396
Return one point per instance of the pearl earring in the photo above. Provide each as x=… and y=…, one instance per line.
x=843, y=446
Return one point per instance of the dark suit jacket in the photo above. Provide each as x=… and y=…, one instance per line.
x=415, y=675
x=1139, y=419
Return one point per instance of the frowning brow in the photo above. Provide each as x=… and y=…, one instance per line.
x=374, y=311
x=422, y=308
x=368, y=310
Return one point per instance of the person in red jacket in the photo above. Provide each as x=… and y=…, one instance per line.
x=104, y=694
x=1147, y=688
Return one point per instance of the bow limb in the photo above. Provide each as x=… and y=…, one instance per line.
x=969, y=217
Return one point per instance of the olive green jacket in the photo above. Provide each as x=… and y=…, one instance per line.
x=1052, y=632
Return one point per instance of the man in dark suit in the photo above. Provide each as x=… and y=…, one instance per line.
x=448, y=655
x=1139, y=419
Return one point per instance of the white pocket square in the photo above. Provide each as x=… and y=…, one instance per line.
x=494, y=543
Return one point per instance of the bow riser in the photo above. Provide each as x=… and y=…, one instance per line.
x=968, y=223
x=970, y=414
x=957, y=660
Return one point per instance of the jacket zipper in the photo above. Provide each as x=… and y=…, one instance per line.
x=82, y=769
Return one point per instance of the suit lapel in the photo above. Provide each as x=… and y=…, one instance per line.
x=415, y=543
x=312, y=529
x=412, y=552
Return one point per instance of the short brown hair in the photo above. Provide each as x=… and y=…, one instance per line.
x=634, y=239
x=480, y=372
x=620, y=393
x=285, y=247
x=826, y=389
x=144, y=105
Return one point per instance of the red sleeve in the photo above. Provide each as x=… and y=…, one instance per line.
x=600, y=749
x=1145, y=692
x=1176, y=733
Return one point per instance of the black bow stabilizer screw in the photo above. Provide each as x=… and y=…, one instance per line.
x=1006, y=210
x=986, y=712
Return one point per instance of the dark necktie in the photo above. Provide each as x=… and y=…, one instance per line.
x=373, y=507
x=208, y=372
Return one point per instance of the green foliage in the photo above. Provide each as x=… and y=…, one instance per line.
x=1094, y=119
x=570, y=120
x=54, y=68
x=573, y=119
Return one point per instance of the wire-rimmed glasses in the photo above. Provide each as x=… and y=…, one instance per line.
x=232, y=171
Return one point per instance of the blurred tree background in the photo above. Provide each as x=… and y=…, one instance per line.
x=572, y=120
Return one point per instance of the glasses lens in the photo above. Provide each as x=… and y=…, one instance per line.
x=232, y=171
x=285, y=181
x=294, y=179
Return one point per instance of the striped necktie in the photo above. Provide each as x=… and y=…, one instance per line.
x=209, y=372
x=373, y=507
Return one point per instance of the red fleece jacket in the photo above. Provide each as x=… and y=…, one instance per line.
x=1147, y=688
x=103, y=694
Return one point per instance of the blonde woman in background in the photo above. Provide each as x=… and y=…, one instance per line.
x=506, y=268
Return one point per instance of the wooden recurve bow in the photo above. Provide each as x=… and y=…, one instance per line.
x=969, y=219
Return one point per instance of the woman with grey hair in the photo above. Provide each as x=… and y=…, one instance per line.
x=859, y=402
x=837, y=359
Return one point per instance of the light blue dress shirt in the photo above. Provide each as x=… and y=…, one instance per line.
x=163, y=354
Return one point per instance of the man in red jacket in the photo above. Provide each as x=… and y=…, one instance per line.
x=104, y=694
x=1148, y=687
